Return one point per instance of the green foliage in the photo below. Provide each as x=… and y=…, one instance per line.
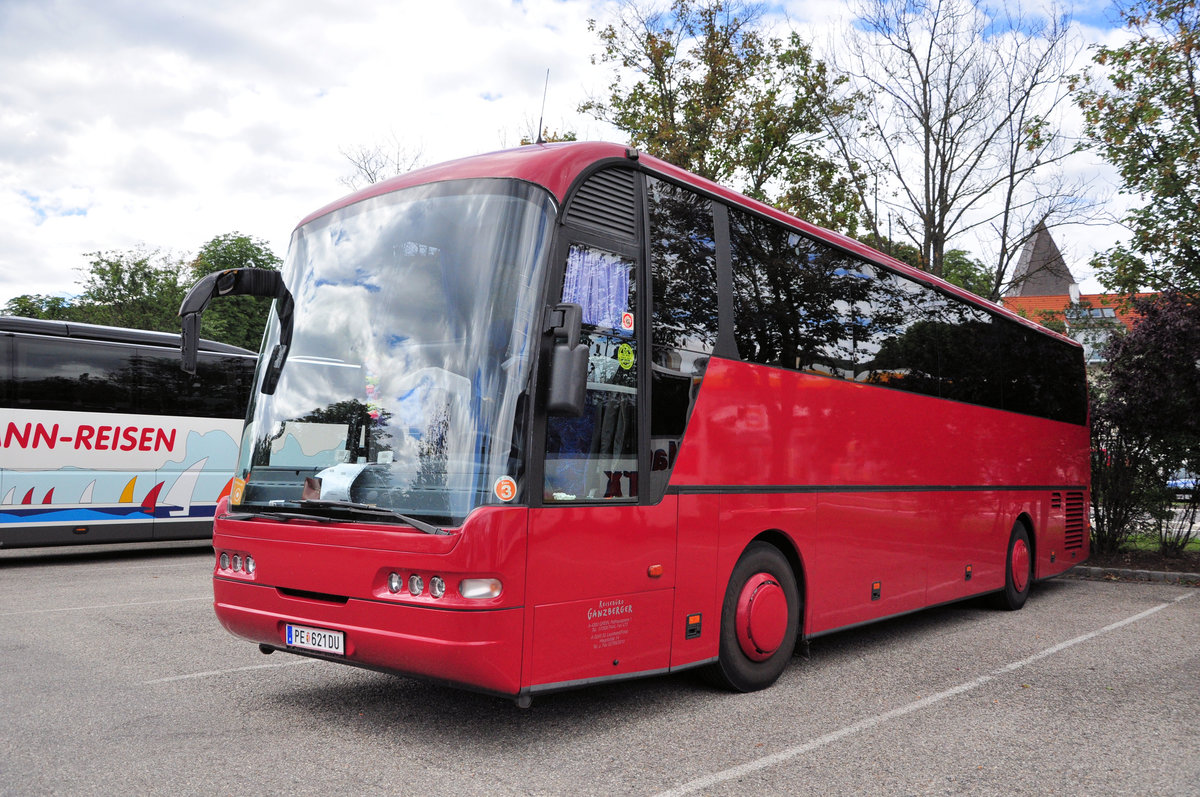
x=714, y=95
x=138, y=289
x=904, y=252
x=1118, y=459
x=54, y=308
x=135, y=289
x=1146, y=122
x=1152, y=391
x=143, y=290
x=959, y=268
x=239, y=320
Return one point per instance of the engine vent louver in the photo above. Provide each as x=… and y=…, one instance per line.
x=1076, y=522
x=606, y=203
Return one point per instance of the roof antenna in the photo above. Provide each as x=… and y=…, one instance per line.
x=542, y=116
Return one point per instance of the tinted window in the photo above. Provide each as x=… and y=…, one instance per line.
x=971, y=348
x=793, y=298
x=64, y=374
x=804, y=305
x=220, y=388
x=683, y=268
x=1043, y=376
x=899, y=348
x=90, y=376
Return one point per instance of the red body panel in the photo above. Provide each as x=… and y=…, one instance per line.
x=875, y=485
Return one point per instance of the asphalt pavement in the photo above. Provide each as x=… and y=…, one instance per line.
x=116, y=678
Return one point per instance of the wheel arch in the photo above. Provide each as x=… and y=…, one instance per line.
x=782, y=541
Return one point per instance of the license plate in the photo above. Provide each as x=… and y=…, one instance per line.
x=320, y=639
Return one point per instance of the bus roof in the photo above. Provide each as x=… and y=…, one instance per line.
x=558, y=166
x=143, y=337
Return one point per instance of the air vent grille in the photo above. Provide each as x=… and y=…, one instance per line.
x=606, y=203
x=1076, y=522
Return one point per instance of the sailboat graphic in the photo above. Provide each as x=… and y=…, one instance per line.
x=177, y=502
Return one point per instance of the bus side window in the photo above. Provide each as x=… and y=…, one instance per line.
x=594, y=457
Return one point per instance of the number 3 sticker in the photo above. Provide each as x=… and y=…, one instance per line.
x=505, y=488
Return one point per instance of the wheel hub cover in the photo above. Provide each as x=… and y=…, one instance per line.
x=1020, y=565
x=762, y=616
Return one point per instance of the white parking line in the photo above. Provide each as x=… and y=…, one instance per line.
x=708, y=781
x=210, y=673
x=104, y=606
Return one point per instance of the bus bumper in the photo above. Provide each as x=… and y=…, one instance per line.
x=476, y=649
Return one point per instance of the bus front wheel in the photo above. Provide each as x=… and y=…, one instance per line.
x=760, y=618
x=1018, y=570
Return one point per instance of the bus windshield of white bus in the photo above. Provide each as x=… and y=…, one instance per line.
x=416, y=325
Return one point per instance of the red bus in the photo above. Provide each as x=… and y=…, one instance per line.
x=564, y=414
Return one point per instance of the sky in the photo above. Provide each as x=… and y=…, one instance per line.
x=160, y=124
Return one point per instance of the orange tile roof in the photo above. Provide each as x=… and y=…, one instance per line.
x=1033, y=306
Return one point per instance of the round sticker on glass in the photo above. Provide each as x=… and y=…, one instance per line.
x=627, y=322
x=505, y=488
x=625, y=356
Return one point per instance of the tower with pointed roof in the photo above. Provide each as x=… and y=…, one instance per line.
x=1041, y=270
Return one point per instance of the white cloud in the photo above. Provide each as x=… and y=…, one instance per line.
x=165, y=123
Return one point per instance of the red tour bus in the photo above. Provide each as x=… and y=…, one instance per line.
x=567, y=414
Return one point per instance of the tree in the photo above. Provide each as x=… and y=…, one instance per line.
x=143, y=289
x=54, y=308
x=139, y=289
x=967, y=272
x=239, y=320
x=699, y=85
x=1153, y=390
x=374, y=163
x=549, y=136
x=961, y=119
x=1119, y=458
x=1146, y=121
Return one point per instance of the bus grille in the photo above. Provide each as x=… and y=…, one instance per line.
x=1076, y=522
x=606, y=202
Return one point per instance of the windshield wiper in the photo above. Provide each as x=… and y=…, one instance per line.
x=283, y=516
x=370, y=509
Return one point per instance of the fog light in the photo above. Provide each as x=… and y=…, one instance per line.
x=437, y=587
x=415, y=584
x=224, y=561
x=480, y=588
x=395, y=583
x=250, y=565
x=237, y=562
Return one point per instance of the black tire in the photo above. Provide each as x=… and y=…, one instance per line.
x=761, y=564
x=1018, y=570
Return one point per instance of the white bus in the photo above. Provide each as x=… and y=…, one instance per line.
x=104, y=439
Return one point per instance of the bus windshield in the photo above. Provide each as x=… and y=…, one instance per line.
x=416, y=325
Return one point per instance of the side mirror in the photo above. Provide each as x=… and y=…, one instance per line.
x=568, y=362
x=237, y=282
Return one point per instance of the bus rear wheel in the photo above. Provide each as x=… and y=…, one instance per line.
x=1018, y=570
x=760, y=618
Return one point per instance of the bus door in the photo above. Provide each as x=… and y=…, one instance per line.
x=601, y=561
